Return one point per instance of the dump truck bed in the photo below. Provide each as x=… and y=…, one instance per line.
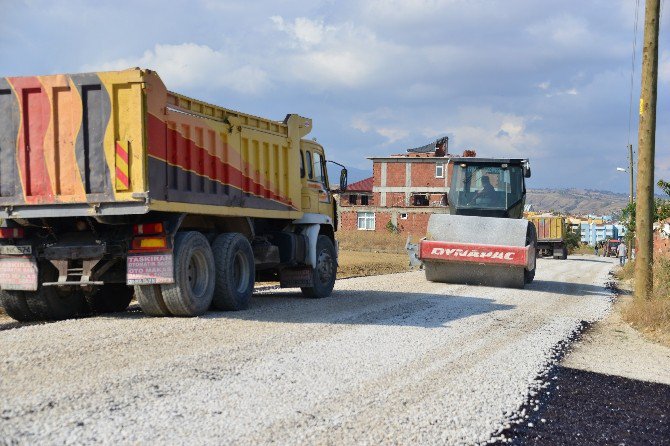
x=118, y=143
x=549, y=229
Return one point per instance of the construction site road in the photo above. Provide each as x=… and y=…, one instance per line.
x=389, y=359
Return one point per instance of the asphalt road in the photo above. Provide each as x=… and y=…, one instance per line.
x=388, y=359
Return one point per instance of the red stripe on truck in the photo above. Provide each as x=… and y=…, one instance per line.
x=473, y=253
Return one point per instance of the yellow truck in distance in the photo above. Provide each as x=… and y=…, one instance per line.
x=112, y=186
x=551, y=232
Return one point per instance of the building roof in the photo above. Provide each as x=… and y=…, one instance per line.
x=361, y=186
x=428, y=148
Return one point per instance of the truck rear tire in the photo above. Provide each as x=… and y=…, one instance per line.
x=150, y=298
x=235, y=272
x=51, y=303
x=325, y=272
x=15, y=305
x=110, y=298
x=192, y=291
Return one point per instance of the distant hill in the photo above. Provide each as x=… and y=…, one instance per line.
x=577, y=201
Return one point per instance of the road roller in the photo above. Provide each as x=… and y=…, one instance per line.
x=483, y=240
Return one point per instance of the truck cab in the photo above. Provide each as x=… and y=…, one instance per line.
x=316, y=195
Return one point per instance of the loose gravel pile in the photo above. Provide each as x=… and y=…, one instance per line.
x=386, y=359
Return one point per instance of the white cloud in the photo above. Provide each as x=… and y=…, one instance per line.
x=384, y=122
x=304, y=31
x=324, y=56
x=493, y=133
x=191, y=65
x=564, y=29
x=405, y=10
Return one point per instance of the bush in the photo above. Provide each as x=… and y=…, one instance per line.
x=390, y=227
x=651, y=316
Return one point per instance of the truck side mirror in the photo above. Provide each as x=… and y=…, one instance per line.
x=343, y=180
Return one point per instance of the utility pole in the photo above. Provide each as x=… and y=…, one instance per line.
x=644, y=210
x=631, y=241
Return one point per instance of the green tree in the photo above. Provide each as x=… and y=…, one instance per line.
x=661, y=211
x=390, y=227
x=572, y=240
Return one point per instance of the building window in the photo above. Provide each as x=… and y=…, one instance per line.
x=353, y=199
x=365, y=200
x=439, y=170
x=420, y=200
x=403, y=216
x=366, y=221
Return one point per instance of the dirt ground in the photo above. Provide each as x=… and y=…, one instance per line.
x=613, y=347
x=356, y=263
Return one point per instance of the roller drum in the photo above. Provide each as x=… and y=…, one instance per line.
x=483, y=231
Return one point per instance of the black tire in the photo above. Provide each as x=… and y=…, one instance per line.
x=15, y=305
x=150, y=298
x=235, y=272
x=110, y=298
x=50, y=303
x=325, y=272
x=531, y=239
x=192, y=291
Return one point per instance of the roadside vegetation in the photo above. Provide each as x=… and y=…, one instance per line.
x=652, y=316
x=572, y=242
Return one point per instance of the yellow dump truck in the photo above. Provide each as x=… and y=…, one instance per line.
x=551, y=231
x=111, y=185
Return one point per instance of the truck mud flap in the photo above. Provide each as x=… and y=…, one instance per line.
x=296, y=277
x=18, y=273
x=150, y=269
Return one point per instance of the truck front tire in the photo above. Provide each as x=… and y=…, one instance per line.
x=235, y=272
x=325, y=271
x=192, y=291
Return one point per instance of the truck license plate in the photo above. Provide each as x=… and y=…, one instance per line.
x=18, y=273
x=149, y=269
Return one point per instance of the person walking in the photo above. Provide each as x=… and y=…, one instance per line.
x=621, y=252
x=596, y=249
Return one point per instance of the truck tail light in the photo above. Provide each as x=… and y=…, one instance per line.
x=149, y=243
x=11, y=233
x=148, y=229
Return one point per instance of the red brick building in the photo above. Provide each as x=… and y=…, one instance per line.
x=402, y=193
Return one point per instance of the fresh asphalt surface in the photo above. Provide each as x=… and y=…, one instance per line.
x=385, y=359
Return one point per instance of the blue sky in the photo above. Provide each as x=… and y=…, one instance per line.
x=548, y=80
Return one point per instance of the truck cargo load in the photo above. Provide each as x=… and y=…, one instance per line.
x=105, y=178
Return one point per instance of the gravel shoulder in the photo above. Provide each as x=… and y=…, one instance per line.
x=386, y=359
